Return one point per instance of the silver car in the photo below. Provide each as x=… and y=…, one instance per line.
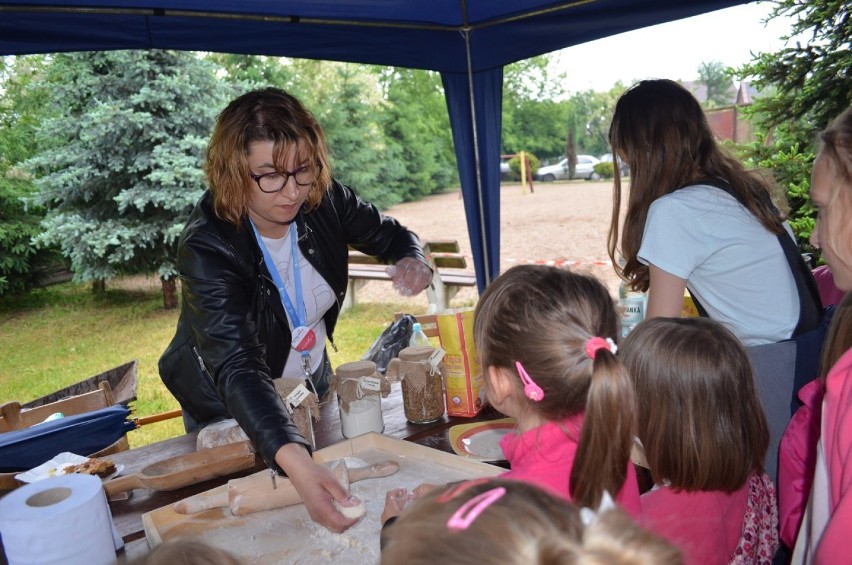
x=585, y=169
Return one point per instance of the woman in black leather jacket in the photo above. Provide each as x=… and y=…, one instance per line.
x=272, y=199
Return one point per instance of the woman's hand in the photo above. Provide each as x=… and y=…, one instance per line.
x=317, y=486
x=410, y=276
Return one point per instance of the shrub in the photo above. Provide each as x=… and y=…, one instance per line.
x=515, y=164
x=605, y=170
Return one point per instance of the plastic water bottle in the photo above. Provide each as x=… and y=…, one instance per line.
x=632, y=308
x=418, y=338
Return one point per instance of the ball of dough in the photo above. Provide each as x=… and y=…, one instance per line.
x=352, y=512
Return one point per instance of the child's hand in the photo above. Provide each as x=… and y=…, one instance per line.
x=425, y=489
x=396, y=501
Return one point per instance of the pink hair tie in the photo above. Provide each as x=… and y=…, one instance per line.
x=531, y=389
x=596, y=343
x=470, y=510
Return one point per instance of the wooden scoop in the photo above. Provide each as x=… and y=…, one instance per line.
x=183, y=470
x=255, y=493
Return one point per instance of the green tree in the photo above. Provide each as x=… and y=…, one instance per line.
x=21, y=109
x=535, y=111
x=416, y=126
x=805, y=86
x=589, y=116
x=717, y=82
x=123, y=166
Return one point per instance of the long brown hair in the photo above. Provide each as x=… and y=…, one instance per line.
x=269, y=114
x=835, y=145
x=698, y=413
x=839, y=337
x=542, y=317
x=524, y=525
x=661, y=131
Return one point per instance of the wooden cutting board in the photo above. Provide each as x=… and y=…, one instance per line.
x=288, y=535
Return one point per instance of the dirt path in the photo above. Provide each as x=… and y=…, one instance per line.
x=559, y=222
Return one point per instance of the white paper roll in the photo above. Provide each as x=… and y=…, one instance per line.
x=64, y=519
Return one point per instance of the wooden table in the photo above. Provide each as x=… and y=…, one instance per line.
x=127, y=514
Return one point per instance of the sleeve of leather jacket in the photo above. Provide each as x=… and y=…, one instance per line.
x=370, y=231
x=218, y=292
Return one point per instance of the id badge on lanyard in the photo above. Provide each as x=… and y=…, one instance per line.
x=303, y=337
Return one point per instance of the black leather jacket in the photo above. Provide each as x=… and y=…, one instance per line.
x=232, y=335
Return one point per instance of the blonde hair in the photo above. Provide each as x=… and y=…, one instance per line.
x=543, y=317
x=269, y=114
x=660, y=129
x=698, y=413
x=187, y=552
x=835, y=145
x=525, y=525
x=839, y=337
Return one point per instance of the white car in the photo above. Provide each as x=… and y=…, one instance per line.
x=585, y=169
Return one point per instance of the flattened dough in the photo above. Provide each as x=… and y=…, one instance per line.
x=352, y=512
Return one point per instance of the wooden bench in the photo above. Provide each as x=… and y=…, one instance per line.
x=443, y=256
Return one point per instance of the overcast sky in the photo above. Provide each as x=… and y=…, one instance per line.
x=672, y=50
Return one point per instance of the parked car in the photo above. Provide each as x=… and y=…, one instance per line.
x=622, y=166
x=585, y=169
x=505, y=171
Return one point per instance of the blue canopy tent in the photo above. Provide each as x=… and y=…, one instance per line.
x=467, y=41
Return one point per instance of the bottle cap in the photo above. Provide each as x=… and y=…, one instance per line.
x=417, y=327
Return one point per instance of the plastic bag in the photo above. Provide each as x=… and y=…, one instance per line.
x=387, y=346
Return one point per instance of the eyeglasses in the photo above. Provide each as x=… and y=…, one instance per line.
x=275, y=181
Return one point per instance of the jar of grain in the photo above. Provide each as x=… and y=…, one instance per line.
x=359, y=389
x=422, y=384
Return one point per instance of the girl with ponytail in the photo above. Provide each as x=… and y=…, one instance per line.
x=545, y=340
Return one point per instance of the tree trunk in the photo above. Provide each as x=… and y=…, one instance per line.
x=169, y=293
x=571, y=153
x=98, y=286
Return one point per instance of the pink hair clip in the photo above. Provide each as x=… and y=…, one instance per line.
x=470, y=510
x=531, y=389
x=596, y=343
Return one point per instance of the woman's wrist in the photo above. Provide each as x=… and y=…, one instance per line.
x=292, y=457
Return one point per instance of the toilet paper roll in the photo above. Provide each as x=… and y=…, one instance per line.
x=64, y=519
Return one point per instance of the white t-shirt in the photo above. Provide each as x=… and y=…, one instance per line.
x=732, y=264
x=317, y=295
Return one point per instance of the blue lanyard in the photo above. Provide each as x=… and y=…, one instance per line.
x=294, y=315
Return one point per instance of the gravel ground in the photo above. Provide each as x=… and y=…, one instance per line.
x=559, y=222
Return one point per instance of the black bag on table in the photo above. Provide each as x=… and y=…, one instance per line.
x=387, y=346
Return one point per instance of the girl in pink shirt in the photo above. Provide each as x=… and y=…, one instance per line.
x=825, y=533
x=705, y=437
x=545, y=340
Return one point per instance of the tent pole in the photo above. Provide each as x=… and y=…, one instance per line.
x=485, y=258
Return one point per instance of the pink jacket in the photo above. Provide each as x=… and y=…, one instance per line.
x=545, y=455
x=836, y=540
x=796, y=460
x=715, y=527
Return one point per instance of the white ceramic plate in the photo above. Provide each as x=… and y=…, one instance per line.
x=481, y=440
x=57, y=466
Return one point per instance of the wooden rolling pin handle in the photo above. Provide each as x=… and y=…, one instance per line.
x=123, y=484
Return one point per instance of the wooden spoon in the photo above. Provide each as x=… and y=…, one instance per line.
x=189, y=469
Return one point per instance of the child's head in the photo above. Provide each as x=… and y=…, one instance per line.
x=187, y=552
x=831, y=192
x=698, y=414
x=514, y=523
x=543, y=318
x=839, y=338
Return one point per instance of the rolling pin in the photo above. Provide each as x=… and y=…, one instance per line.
x=255, y=493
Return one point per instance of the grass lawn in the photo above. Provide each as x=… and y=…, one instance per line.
x=64, y=333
